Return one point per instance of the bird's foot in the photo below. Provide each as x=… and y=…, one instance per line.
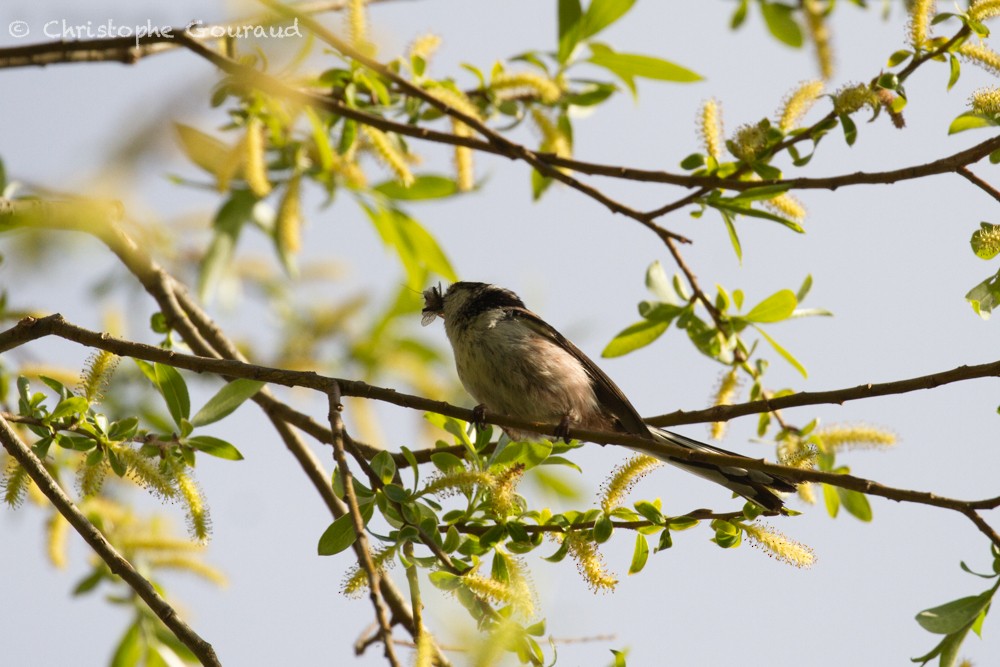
x=479, y=416
x=562, y=430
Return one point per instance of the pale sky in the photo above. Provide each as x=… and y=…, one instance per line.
x=891, y=262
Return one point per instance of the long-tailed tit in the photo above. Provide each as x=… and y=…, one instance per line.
x=513, y=363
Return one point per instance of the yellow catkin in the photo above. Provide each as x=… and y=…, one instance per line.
x=623, y=478
x=90, y=478
x=97, y=374
x=853, y=436
x=488, y=588
x=57, y=528
x=554, y=140
x=146, y=473
x=729, y=383
x=465, y=175
x=983, y=56
x=986, y=101
x=456, y=100
x=788, y=206
x=982, y=10
x=853, y=97
x=819, y=32
x=710, y=128
x=807, y=492
x=187, y=564
x=389, y=154
x=14, y=483
x=503, y=499
x=921, y=13
x=798, y=103
x=778, y=545
x=288, y=221
x=448, y=483
x=589, y=563
x=357, y=22
x=254, y=161
x=424, y=47
x=523, y=600
x=749, y=141
x=356, y=580
x=146, y=542
x=539, y=85
x=199, y=521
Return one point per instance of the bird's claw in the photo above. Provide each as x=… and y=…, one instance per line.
x=479, y=416
x=562, y=430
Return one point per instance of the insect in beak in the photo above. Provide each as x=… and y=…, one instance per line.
x=433, y=304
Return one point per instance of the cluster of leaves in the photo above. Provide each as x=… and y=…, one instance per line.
x=160, y=462
x=470, y=513
x=954, y=619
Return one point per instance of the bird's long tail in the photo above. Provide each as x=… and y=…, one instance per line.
x=754, y=485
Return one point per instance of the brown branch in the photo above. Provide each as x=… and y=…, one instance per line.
x=104, y=549
x=31, y=329
x=129, y=50
x=500, y=144
x=360, y=544
x=835, y=396
x=966, y=173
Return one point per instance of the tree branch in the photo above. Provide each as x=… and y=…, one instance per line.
x=104, y=549
x=360, y=544
x=32, y=329
x=966, y=173
x=836, y=396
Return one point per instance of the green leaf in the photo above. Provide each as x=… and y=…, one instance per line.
x=740, y=15
x=986, y=241
x=639, y=555
x=423, y=187
x=215, y=447
x=633, y=337
x=530, y=454
x=729, y=205
x=123, y=429
x=969, y=121
x=856, y=503
x=417, y=249
x=384, y=466
x=337, y=537
x=619, y=660
x=734, y=238
x=91, y=581
x=226, y=227
x=74, y=405
x=775, y=308
x=603, y=529
x=899, y=57
x=783, y=352
x=602, y=13
x=539, y=184
x=956, y=70
x=762, y=193
x=985, y=296
x=174, y=391
x=952, y=616
x=226, y=400
x=629, y=65
x=570, y=13
x=650, y=511
x=781, y=24
x=807, y=284
x=446, y=461
x=850, y=129
x=128, y=653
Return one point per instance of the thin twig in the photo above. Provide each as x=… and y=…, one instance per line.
x=360, y=544
x=104, y=549
x=972, y=178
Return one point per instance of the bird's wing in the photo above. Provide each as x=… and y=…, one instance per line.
x=611, y=397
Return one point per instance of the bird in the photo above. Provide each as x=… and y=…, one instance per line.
x=514, y=363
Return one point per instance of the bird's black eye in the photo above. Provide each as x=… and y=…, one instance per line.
x=433, y=304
